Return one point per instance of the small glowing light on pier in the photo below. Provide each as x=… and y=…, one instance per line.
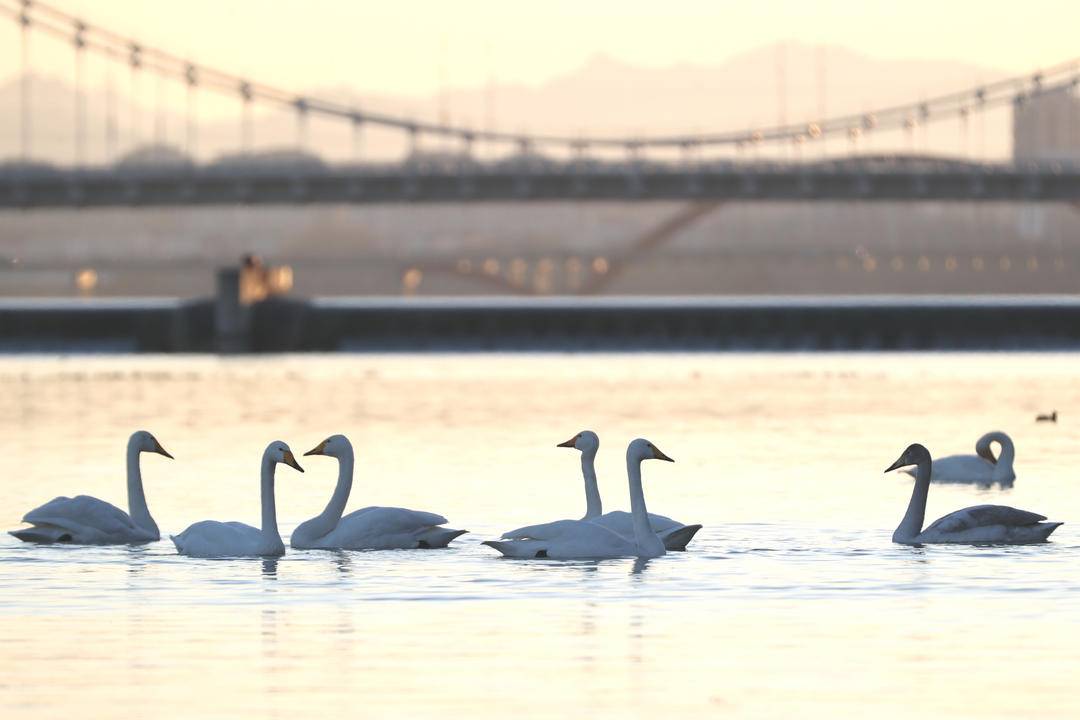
x=573, y=266
x=869, y=264
x=464, y=266
x=897, y=263
x=813, y=130
x=491, y=266
x=86, y=280
x=546, y=266
x=977, y=264
x=950, y=263
x=280, y=279
x=1005, y=263
x=923, y=263
x=410, y=280
x=853, y=133
x=1032, y=264
x=600, y=265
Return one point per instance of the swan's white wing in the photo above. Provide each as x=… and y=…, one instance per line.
x=579, y=539
x=388, y=520
x=622, y=522
x=211, y=538
x=960, y=468
x=544, y=531
x=983, y=516
x=86, y=518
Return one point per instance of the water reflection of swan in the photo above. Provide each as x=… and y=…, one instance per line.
x=210, y=538
x=567, y=539
x=674, y=535
x=996, y=524
x=89, y=521
x=371, y=528
x=982, y=468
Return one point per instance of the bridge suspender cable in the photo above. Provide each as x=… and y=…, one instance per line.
x=48, y=19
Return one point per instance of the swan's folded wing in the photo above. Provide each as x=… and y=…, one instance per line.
x=389, y=520
x=982, y=516
x=543, y=531
x=622, y=522
x=82, y=511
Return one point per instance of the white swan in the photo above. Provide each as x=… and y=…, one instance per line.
x=569, y=539
x=371, y=528
x=211, y=538
x=996, y=524
x=674, y=534
x=982, y=468
x=89, y=521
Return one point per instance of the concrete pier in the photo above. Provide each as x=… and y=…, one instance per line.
x=548, y=324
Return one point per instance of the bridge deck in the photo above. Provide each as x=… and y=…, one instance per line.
x=475, y=183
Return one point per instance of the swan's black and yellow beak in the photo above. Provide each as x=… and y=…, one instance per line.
x=659, y=455
x=572, y=442
x=317, y=450
x=161, y=451
x=900, y=462
x=291, y=461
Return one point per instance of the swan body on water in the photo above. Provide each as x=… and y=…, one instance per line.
x=211, y=538
x=584, y=539
x=982, y=468
x=86, y=520
x=371, y=528
x=991, y=524
x=673, y=534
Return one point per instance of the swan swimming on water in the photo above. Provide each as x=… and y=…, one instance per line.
x=570, y=539
x=211, y=538
x=995, y=524
x=674, y=535
x=88, y=521
x=371, y=528
x=982, y=468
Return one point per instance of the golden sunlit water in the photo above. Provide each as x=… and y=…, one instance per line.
x=791, y=602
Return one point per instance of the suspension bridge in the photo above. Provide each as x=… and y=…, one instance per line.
x=531, y=167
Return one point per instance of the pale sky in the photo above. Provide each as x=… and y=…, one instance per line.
x=412, y=47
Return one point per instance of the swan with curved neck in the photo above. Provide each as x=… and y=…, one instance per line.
x=211, y=538
x=982, y=468
x=88, y=521
x=370, y=528
x=569, y=539
x=980, y=524
x=673, y=534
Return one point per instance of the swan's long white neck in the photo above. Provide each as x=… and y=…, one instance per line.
x=269, y=509
x=910, y=527
x=1003, y=468
x=648, y=544
x=594, y=508
x=136, y=498
x=328, y=519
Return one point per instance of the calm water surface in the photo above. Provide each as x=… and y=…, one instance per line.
x=792, y=602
